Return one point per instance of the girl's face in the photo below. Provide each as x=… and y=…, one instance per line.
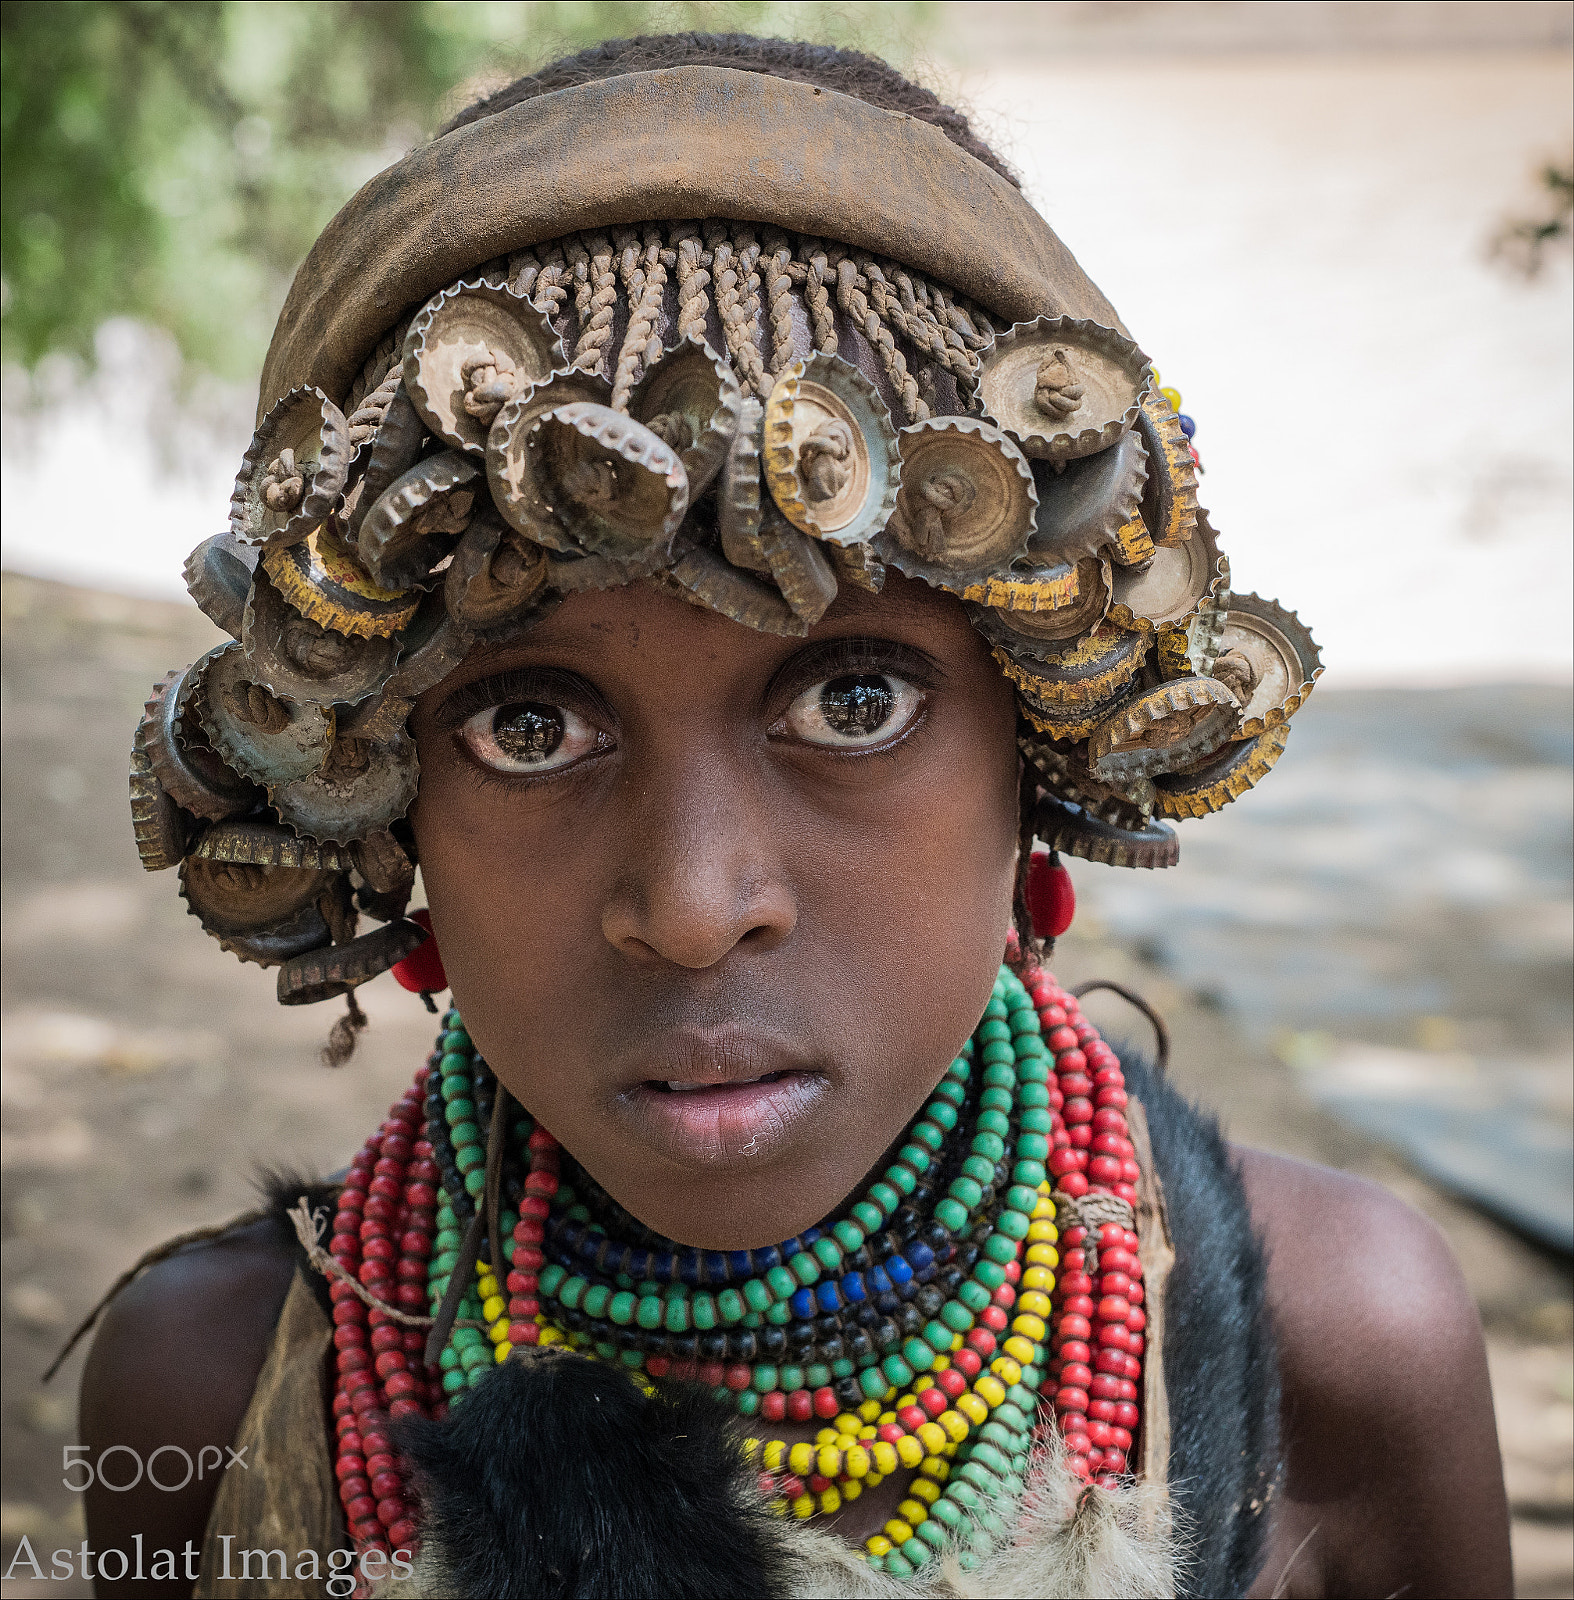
x=719, y=907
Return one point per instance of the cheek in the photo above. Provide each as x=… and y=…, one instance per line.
x=512, y=892
x=918, y=900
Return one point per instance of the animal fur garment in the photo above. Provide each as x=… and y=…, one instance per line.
x=622, y=1494
x=1221, y=1367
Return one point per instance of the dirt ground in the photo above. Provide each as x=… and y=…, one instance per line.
x=146, y=1078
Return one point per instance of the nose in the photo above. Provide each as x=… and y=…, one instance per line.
x=702, y=870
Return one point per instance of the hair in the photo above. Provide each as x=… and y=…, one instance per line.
x=849, y=72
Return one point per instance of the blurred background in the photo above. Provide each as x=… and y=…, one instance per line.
x=1343, y=232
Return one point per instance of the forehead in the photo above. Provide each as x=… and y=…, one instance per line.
x=641, y=621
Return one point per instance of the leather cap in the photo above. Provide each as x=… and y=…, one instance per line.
x=685, y=143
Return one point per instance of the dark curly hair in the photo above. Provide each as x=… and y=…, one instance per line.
x=848, y=72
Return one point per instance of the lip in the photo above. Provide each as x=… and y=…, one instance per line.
x=750, y=1097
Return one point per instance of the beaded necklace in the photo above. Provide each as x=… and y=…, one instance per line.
x=924, y=1325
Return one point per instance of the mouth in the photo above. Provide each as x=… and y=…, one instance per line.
x=722, y=1099
x=697, y=1086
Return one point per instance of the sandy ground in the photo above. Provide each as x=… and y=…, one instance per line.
x=146, y=1077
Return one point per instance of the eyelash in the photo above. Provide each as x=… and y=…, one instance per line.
x=515, y=686
x=839, y=657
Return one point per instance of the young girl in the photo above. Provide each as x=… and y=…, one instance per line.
x=702, y=515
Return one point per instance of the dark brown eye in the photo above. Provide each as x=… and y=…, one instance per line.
x=533, y=737
x=528, y=734
x=854, y=707
x=855, y=711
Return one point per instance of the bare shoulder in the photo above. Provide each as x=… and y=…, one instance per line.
x=174, y=1363
x=1394, y=1481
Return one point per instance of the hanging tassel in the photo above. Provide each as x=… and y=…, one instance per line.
x=341, y=1036
x=1051, y=899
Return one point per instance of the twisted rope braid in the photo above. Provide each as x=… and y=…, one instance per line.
x=901, y=317
x=597, y=296
x=376, y=368
x=524, y=267
x=551, y=295
x=368, y=416
x=917, y=328
x=778, y=297
x=577, y=258
x=817, y=298
x=942, y=345
x=646, y=279
x=728, y=275
x=693, y=281
x=854, y=302
x=973, y=328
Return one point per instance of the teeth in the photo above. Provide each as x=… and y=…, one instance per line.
x=736, y=1083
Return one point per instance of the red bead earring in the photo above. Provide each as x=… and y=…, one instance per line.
x=421, y=971
x=1051, y=899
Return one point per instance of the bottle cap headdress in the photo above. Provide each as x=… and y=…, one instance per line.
x=626, y=331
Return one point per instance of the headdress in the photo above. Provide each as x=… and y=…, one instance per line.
x=742, y=337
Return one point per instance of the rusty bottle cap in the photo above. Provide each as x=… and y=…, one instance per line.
x=429, y=649
x=1081, y=595
x=1169, y=497
x=1065, y=826
x=253, y=731
x=1035, y=589
x=1218, y=779
x=510, y=470
x=857, y=565
x=1173, y=587
x=189, y=770
x=419, y=519
x=299, y=660
x=831, y=458
x=800, y=567
x=323, y=578
x=1268, y=659
x=470, y=350
x=156, y=821
x=739, y=510
x=218, y=577
x=293, y=471
x=965, y=506
x=321, y=974
x=1086, y=671
x=691, y=400
x=358, y=789
x=393, y=450
x=1164, y=728
x=1092, y=506
x=263, y=914
x=705, y=578
x=268, y=844
x=1062, y=387
x=383, y=862
x=618, y=491
x=1064, y=769
x=496, y=575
